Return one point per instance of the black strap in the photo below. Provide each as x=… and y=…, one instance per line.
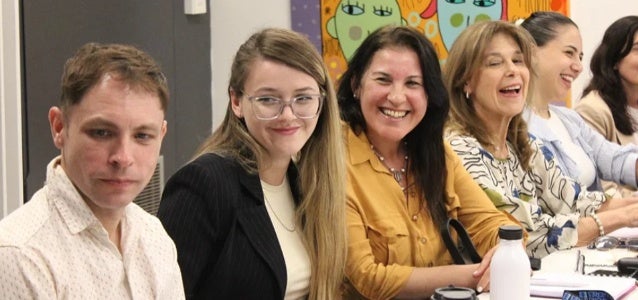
x=466, y=243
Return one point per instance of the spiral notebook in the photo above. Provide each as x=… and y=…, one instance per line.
x=553, y=285
x=608, y=273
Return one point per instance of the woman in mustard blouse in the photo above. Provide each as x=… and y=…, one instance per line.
x=404, y=181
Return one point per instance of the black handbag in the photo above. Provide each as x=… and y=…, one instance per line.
x=462, y=254
x=466, y=252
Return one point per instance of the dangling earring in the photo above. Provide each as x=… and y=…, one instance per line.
x=467, y=95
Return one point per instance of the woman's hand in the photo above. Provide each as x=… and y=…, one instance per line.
x=483, y=271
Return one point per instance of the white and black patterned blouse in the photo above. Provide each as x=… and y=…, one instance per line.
x=547, y=203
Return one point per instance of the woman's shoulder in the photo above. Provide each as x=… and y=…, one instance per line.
x=592, y=100
x=208, y=167
x=461, y=139
x=568, y=114
x=213, y=161
x=563, y=110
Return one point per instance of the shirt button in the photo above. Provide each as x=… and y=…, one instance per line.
x=414, y=218
x=423, y=240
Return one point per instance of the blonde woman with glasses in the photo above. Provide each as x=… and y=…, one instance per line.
x=259, y=213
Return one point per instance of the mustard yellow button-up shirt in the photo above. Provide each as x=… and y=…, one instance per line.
x=388, y=235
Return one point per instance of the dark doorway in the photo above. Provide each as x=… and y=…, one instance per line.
x=53, y=30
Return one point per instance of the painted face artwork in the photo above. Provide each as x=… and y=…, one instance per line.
x=456, y=15
x=354, y=20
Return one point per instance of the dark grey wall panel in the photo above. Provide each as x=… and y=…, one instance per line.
x=53, y=30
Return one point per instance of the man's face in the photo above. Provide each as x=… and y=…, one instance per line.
x=110, y=143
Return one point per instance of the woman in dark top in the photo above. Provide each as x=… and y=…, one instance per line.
x=259, y=213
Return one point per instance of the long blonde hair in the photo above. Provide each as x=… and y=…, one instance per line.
x=321, y=160
x=464, y=61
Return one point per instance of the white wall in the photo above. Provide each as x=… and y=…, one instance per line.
x=232, y=22
x=593, y=17
x=10, y=111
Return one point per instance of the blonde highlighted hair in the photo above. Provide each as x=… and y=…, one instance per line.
x=464, y=61
x=320, y=162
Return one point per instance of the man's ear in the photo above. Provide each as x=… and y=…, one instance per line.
x=56, y=122
x=235, y=103
x=164, y=128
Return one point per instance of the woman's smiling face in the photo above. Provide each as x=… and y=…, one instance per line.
x=499, y=87
x=558, y=63
x=391, y=94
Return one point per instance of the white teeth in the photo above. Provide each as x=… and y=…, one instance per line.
x=567, y=77
x=512, y=88
x=394, y=113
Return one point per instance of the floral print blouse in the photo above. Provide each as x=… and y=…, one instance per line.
x=546, y=201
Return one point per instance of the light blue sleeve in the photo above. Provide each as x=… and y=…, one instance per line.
x=614, y=162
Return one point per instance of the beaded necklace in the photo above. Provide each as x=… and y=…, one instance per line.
x=397, y=174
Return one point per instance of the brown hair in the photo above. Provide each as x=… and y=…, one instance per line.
x=320, y=161
x=616, y=44
x=127, y=63
x=463, y=62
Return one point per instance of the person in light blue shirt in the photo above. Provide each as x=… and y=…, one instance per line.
x=582, y=153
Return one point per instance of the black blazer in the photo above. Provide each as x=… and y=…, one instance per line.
x=227, y=247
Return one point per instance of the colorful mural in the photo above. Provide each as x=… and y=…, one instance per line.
x=337, y=27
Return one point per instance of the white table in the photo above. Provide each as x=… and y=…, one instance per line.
x=565, y=262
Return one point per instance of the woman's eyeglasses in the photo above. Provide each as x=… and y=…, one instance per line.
x=302, y=106
x=606, y=242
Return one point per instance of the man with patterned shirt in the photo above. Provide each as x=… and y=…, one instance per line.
x=80, y=236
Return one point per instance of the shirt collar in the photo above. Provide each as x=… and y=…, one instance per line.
x=75, y=213
x=360, y=151
x=359, y=147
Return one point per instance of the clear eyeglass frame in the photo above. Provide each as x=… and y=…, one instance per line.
x=606, y=243
x=260, y=114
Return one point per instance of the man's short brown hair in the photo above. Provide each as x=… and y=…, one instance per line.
x=127, y=63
